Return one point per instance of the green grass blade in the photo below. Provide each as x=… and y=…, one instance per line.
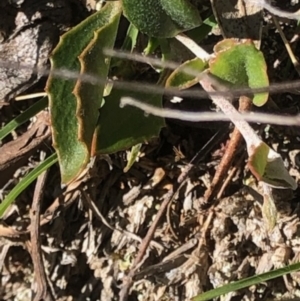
x=130, y=39
x=23, y=117
x=225, y=289
x=26, y=181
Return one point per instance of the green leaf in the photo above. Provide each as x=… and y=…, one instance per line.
x=132, y=156
x=267, y=166
x=73, y=154
x=152, y=45
x=131, y=37
x=241, y=65
x=124, y=68
x=25, y=182
x=258, y=160
x=276, y=175
x=179, y=77
x=161, y=18
x=182, y=12
x=120, y=128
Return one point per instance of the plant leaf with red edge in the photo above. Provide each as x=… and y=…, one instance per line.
x=93, y=61
x=73, y=154
x=180, y=79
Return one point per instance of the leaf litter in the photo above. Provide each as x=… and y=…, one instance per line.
x=85, y=258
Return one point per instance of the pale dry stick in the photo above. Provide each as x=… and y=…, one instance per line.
x=281, y=178
x=164, y=265
x=122, y=85
x=128, y=280
x=93, y=79
x=182, y=249
x=287, y=46
x=198, y=157
x=223, y=167
x=204, y=228
x=276, y=11
x=30, y=96
x=193, y=47
x=3, y=251
x=211, y=116
x=99, y=215
x=232, y=146
x=252, y=139
x=189, y=116
x=90, y=78
x=137, y=86
x=229, y=177
x=169, y=222
x=147, y=60
x=42, y=289
x=273, y=88
x=275, y=172
x=245, y=103
x=224, y=104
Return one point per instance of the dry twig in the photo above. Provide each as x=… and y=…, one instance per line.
x=42, y=289
x=230, y=153
x=127, y=283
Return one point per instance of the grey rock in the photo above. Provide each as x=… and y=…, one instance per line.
x=29, y=31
